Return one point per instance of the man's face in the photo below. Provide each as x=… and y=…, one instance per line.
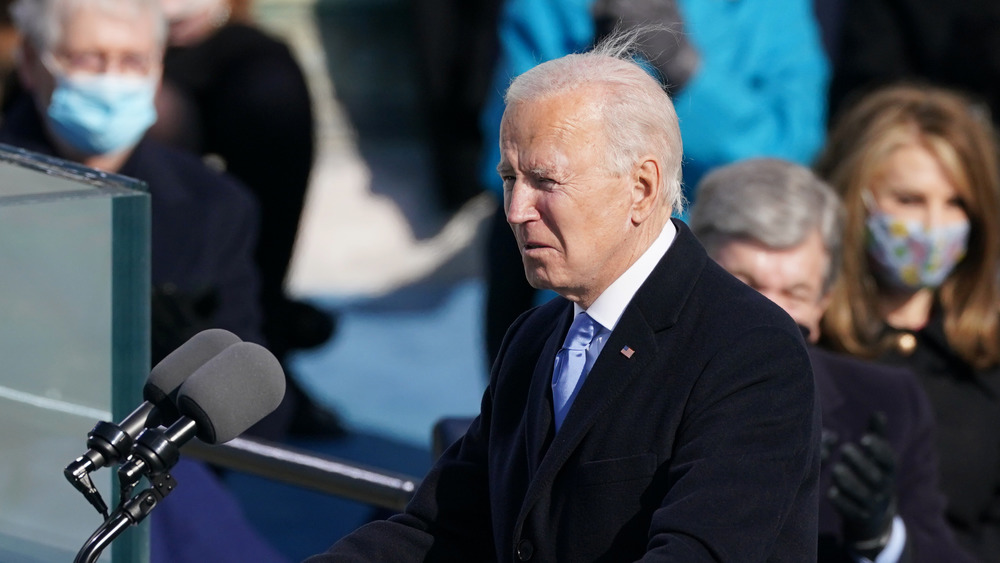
x=792, y=278
x=570, y=215
x=95, y=42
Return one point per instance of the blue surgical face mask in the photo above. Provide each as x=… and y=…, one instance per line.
x=101, y=113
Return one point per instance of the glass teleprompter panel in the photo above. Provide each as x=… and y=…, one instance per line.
x=74, y=331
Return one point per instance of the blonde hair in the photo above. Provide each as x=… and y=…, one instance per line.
x=945, y=124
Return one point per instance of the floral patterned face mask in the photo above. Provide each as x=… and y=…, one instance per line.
x=905, y=255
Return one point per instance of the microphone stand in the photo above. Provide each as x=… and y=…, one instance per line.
x=128, y=513
x=107, y=442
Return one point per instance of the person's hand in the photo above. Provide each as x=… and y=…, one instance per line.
x=863, y=490
x=663, y=41
x=177, y=315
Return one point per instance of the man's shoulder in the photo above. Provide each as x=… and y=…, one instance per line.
x=176, y=172
x=246, y=42
x=21, y=126
x=864, y=387
x=733, y=303
x=690, y=290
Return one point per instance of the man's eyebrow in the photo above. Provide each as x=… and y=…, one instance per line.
x=504, y=167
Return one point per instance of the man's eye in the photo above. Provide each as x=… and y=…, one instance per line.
x=88, y=62
x=137, y=64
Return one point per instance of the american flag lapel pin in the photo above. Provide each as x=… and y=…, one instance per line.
x=627, y=352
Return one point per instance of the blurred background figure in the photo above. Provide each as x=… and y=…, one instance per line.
x=89, y=71
x=457, y=44
x=917, y=170
x=10, y=39
x=830, y=19
x=89, y=76
x=236, y=96
x=778, y=227
x=203, y=521
x=952, y=44
x=748, y=79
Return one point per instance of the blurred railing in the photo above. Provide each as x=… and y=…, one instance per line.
x=307, y=469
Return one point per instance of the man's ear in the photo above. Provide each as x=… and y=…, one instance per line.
x=646, y=187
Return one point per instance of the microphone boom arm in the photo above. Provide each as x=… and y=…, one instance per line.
x=129, y=513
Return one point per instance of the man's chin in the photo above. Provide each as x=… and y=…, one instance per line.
x=537, y=279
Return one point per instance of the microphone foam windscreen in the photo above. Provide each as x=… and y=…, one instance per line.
x=167, y=375
x=232, y=391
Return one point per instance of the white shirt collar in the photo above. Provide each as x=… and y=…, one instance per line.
x=610, y=305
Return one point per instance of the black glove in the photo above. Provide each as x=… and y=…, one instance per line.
x=663, y=43
x=176, y=316
x=863, y=490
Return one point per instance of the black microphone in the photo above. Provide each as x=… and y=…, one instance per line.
x=109, y=443
x=217, y=403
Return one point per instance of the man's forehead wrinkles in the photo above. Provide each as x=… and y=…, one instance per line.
x=544, y=162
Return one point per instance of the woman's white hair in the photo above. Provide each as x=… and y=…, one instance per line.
x=639, y=117
x=41, y=21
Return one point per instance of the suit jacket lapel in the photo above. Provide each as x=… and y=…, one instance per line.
x=610, y=375
x=540, y=425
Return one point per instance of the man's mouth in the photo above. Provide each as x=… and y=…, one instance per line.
x=529, y=246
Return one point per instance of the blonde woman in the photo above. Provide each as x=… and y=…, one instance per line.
x=917, y=170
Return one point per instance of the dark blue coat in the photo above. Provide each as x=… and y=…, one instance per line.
x=850, y=391
x=701, y=446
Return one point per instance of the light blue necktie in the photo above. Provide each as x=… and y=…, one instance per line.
x=569, y=365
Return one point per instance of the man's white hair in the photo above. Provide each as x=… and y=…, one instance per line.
x=638, y=116
x=41, y=21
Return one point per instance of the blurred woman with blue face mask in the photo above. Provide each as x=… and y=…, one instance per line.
x=917, y=170
x=93, y=71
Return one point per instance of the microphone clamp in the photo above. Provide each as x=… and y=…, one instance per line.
x=78, y=474
x=107, y=443
x=155, y=452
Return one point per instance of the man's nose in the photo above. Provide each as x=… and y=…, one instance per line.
x=519, y=204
